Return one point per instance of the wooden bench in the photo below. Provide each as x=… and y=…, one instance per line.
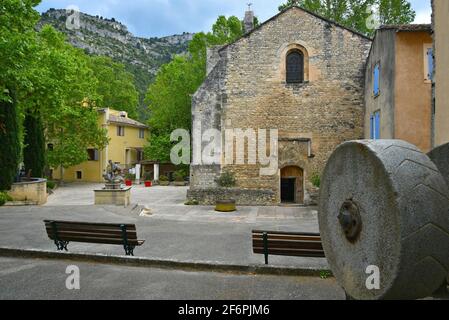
x=64, y=232
x=287, y=244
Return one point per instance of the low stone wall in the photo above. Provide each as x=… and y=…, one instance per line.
x=121, y=197
x=33, y=191
x=243, y=197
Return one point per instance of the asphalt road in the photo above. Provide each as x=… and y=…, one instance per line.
x=46, y=279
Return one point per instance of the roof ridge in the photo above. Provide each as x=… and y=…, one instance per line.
x=303, y=9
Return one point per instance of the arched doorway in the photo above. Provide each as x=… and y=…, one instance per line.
x=292, y=185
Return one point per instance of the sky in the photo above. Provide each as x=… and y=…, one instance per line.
x=156, y=18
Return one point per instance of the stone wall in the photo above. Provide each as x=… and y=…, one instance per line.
x=248, y=89
x=33, y=191
x=243, y=197
x=441, y=80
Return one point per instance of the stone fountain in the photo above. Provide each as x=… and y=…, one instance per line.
x=114, y=193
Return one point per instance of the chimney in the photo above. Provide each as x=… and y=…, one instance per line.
x=248, y=22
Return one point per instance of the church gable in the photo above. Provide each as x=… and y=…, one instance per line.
x=292, y=10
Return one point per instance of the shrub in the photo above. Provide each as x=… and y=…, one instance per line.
x=179, y=176
x=192, y=203
x=147, y=176
x=51, y=185
x=130, y=176
x=163, y=178
x=4, y=197
x=226, y=180
x=316, y=180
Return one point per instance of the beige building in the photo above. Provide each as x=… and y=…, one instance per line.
x=440, y=20
x=398, y=85
x=125, y=148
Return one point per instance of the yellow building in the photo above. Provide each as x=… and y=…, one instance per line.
x=127, y=138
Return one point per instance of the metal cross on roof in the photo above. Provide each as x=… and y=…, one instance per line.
x=249, y=6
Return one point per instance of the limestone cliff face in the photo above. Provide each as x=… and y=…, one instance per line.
x=99, y=36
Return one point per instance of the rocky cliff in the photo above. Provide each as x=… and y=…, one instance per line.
x=99, y=36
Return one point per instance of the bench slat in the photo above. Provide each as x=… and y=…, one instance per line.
x=302, y=234
x=290, y=244
x=86, y=227
x=111, y=241
x=110, y=233
x=88, y=224
x=293, y=253
x=64, y=234
x=295, y=238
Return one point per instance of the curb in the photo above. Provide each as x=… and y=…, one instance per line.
x=164, y=264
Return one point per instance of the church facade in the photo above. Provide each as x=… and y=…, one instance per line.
x=298, y=76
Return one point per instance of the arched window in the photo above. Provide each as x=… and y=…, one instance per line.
x=295, y=67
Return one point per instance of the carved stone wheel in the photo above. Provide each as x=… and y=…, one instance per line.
x=440, y=156
x=385, y=204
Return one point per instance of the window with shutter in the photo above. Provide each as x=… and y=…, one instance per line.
x=93, y=154
x=295, y=67
x=376, y=80
x=375, y=126
x=429, y=62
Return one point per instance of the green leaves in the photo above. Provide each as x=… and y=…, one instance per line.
x=17, y=40
x=157, y=149
x=57, y=81
x=169, y=98
x=115, y=85
x=354, y=14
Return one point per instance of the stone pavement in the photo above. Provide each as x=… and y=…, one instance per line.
x=18, y=281
x=173, y=231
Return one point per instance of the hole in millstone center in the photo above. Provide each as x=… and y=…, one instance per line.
x=350, y=220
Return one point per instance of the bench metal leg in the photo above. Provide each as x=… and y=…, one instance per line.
x=61, y=245
x=265, y=246
x=129, y=250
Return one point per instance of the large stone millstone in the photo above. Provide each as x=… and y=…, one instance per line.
x=440, y=156
x=385, y=204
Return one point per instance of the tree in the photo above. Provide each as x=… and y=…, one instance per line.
x=115, y=85
x=34, y=145
x=17, y=42
x=157, y=149
x=66, y=96
x=356, y=14
x=56, y=92
x=169, y=97
x=9, y=142
x=396, y=12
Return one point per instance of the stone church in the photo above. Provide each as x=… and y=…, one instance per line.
x=297, y=73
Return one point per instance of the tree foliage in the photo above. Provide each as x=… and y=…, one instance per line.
x=17, y=42
x=34, y=145
x=357, y=14
x=61, y=86
x=65, y=94
x=169, y=97
x=115, y=85
x=9, y=142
